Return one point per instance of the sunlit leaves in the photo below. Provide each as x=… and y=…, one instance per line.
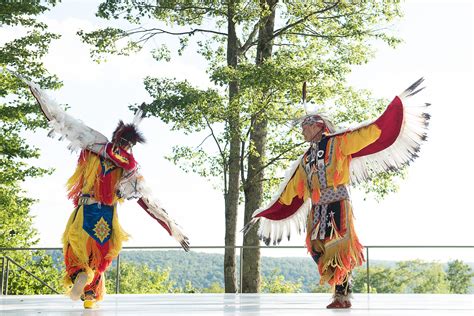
x=109, y=41
x=314, y=41
x=141, y=279
x=161, y=53
x=184, y=106
x=276, y=283
x=18, y=109
x=459, y=276
x=19, y=112
x=415, y=276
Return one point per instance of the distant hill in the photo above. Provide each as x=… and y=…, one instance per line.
x=204, y=269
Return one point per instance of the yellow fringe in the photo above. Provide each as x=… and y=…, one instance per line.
x=76, y=237
x=118, y=236
x=341, y=255
x=86, y=177
x=91, y=172
x=85, y=174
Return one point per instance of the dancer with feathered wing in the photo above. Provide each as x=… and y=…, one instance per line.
x=106, y=173
x=315, y=194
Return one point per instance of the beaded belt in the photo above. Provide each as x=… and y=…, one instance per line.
x=331, y=194
x=86, y=200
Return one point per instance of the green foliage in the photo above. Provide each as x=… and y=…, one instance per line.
x=201, y=269
x=276, y=283
x=18, y=108
x=214, y=288
x=15, y=221
x=459, y=276
x=40, y=264
x=19, y=112
x=313, y=41
x=196, y=272
x=414, y=276
x=185, y=107
x=141, y=279
x=382, y=184
x=429, y=277
x=110, y=40
x=321, y=289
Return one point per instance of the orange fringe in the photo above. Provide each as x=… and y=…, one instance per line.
x=99, y=261
x=98, y=258
x=316, y=195
x=300, y=189
x=97, y=286
x=338, y=173
x=340, y=254
x=76, y=181
x=88, y=179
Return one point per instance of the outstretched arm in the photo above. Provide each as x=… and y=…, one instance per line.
x=391, y=141
x=354, y=141
x=161, y=216
x=289, y=206
x=132, y=186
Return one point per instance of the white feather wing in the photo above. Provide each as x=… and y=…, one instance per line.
x=407, y=145
x=405, y=148
x=76, y=132
x=133, y=186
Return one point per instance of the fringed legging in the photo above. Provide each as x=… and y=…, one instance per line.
x=82, y=253
x=95, y=288
x=333, y=244
x=342, y=289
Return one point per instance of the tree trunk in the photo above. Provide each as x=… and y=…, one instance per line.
x=254, y=183
x=232, y=194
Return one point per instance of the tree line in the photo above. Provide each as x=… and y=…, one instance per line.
x=147, y=272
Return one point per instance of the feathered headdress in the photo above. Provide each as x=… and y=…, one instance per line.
x=314, y=115
x=128, y=134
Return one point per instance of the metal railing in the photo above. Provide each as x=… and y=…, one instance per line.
x=4, y=277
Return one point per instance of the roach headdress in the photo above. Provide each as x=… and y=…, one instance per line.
x=128, y=134
x=313, y=115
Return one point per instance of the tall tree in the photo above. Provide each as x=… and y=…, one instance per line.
x=19, y=112
x=192, y=13
x=459, y=276
x=313, y=35
x=252, y=184
x=260, y=51
x=232, y=194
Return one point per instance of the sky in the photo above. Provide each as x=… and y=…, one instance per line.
x=431, y=207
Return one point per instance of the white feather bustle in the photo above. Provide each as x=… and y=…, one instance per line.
x=272, y=231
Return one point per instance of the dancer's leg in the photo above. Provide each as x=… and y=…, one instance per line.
x=342, y=295
x=80, y=282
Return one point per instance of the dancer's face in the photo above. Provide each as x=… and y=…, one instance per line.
x=311, y=131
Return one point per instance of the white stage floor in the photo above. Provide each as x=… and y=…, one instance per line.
x=247, y=304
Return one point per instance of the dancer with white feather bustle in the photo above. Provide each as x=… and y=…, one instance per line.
x=315, y=193
x=106, y=174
